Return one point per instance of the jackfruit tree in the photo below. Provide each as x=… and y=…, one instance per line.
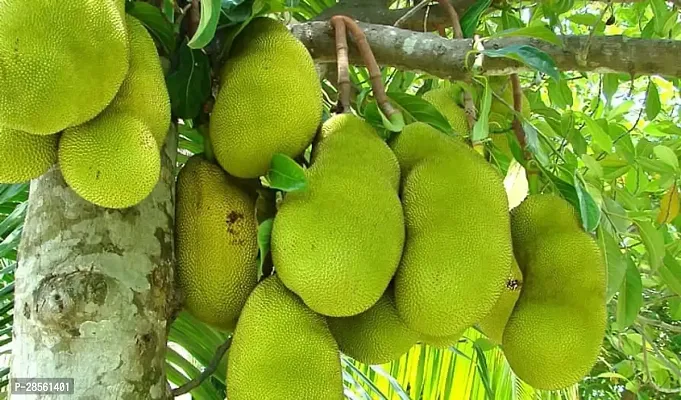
x=327, y=199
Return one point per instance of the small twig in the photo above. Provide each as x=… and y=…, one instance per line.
x=652, y=383
x=660, y=324
x=207, y=372
x=194, y=18
x=344, y=87
x=372, y=66
x=581, y=58
x=453, y=16
x=411, y=13
x=518, y=107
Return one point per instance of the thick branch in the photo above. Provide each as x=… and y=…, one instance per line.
x=445, y=57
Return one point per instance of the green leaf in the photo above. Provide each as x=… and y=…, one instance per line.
x=610, y=84
x=589, y=211
x=481, y=127
x=533, y=143
x=416, y=108
x=584, y=19
x=190, y=85
x=285, y=174
x=598, y=135
x=264, y=236
x=614, y=261
x=157, y=24
x=470, y=19
x=675, y=309
x=667, y=156
x=528, y=55
x=670, y=271
x=535, y=31
x=653, y=104
x=630, y=297
x=653, y=241
x=210, y=14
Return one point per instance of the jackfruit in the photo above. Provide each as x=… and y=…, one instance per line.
x=111, y=161
x=458, y=251
x=144, y=93
x=282, y=350
x=445, y=103
x=61, y=62
x=442, y=342
x=554, y=334
x=345, y=233
x=270, y=100
x=377, y=335
x=25, y=156
x=216, y=243
x=494, y=323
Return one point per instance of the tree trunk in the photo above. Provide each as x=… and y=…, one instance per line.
x=94, y=290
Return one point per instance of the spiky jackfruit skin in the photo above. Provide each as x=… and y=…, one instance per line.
x=458, y=249
x=25, y=156
x=269, y=102
x=377, y=335
x=494, y=323
x=144, y=93
x=111, y=161
x=61, y=62
x=554, y=334
x=442, y=342
x=345, y=233
x=282, y=350
x=216, y=243
x=445, y=103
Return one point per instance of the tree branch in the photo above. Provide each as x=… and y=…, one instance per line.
x=344, y=88
x=208, y=371
x=444, y=58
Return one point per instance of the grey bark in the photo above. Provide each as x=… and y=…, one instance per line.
x=427, y=52
x=94, y=290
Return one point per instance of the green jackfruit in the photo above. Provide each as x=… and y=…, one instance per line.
x=111, y=161
x=61, y=62
x=494, y=323
x=25, y=156
x=445, y=103
x=458, y=251
x=554, y=334
x=270, y=100
x=216, y=243
x=377, y=335
x=442, y=342
x=345, y=233
x=144, y=93
x=282, y=350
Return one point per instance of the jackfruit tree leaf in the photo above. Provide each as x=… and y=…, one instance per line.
x=189, y=85
x=210, y=14
x=598, y=135
x=14, y=192
x=285, y=174
x=481, y=127
x=675, y=309
x=470, y=19
x=533, y=143
x=535, y=31
x=264, y=235
x=156, y=23
x=630, y=297
x=610, y=84
x=615, y=262
x=169, y=10
x=670, y=271
x=416, y=108
x=653, y=104
x=528, y=55
x=667, y=156
x=590, y=213
x=669, y=206
x=653, y=241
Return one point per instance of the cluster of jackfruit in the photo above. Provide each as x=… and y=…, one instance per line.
x=99, y=108
x=391, y=244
